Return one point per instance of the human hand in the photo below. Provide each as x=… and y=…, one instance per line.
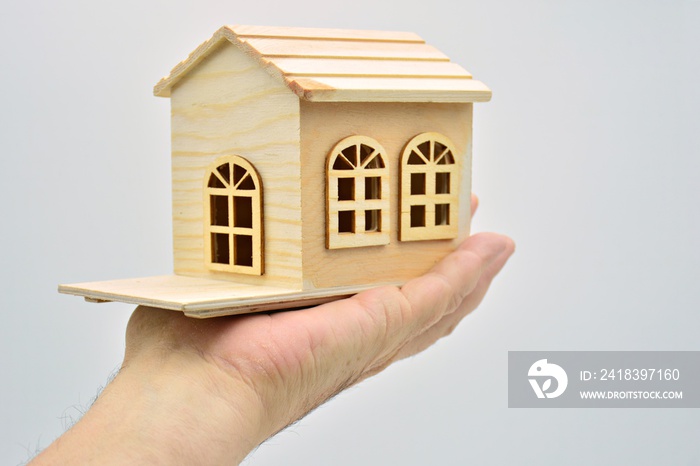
x=209, y=391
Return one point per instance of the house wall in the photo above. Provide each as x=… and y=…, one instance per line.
x=228, y=105
x=392, y=125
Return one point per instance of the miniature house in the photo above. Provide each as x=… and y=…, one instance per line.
x=308, y=164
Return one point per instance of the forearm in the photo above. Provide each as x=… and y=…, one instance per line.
x=171, y=411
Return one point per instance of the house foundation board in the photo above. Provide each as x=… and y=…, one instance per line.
x=203, y=297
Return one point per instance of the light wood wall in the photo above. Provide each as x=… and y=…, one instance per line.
x=228, y=105
x=393, y=125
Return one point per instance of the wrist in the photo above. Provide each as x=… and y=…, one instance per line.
x=167, y=410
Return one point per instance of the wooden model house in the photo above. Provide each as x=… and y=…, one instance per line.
x=308, y=164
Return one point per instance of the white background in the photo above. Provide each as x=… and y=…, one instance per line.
x=587, y=156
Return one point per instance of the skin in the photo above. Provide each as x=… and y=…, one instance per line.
x=210, y=391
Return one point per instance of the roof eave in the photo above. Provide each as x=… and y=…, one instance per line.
x=344, y=95
x=379, y=90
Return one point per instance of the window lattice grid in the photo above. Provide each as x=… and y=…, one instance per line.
x=233, y=221
x=429, y=189
x=357, y=194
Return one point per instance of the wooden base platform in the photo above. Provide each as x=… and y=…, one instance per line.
x=202, y=297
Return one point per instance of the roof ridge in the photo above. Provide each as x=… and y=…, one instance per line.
x=331, y=39
x=310, y=33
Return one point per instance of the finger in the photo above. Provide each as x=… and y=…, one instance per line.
x=449, y=322
x=474, y=204
x=401, y=315
x=440, y=291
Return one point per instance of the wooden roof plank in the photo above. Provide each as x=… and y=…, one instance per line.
x=339, y=49
x=325, y=34
x=354, y=67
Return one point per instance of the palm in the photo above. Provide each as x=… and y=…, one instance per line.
x=308, y=355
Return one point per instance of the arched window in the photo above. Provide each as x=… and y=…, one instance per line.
x=233, y=217
x=357, y=194
x=429, y=189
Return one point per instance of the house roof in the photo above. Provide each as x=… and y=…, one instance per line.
x=338, y=65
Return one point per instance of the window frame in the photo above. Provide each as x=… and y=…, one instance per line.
x=233, y=191
x=429, y=199
x=359, y=205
